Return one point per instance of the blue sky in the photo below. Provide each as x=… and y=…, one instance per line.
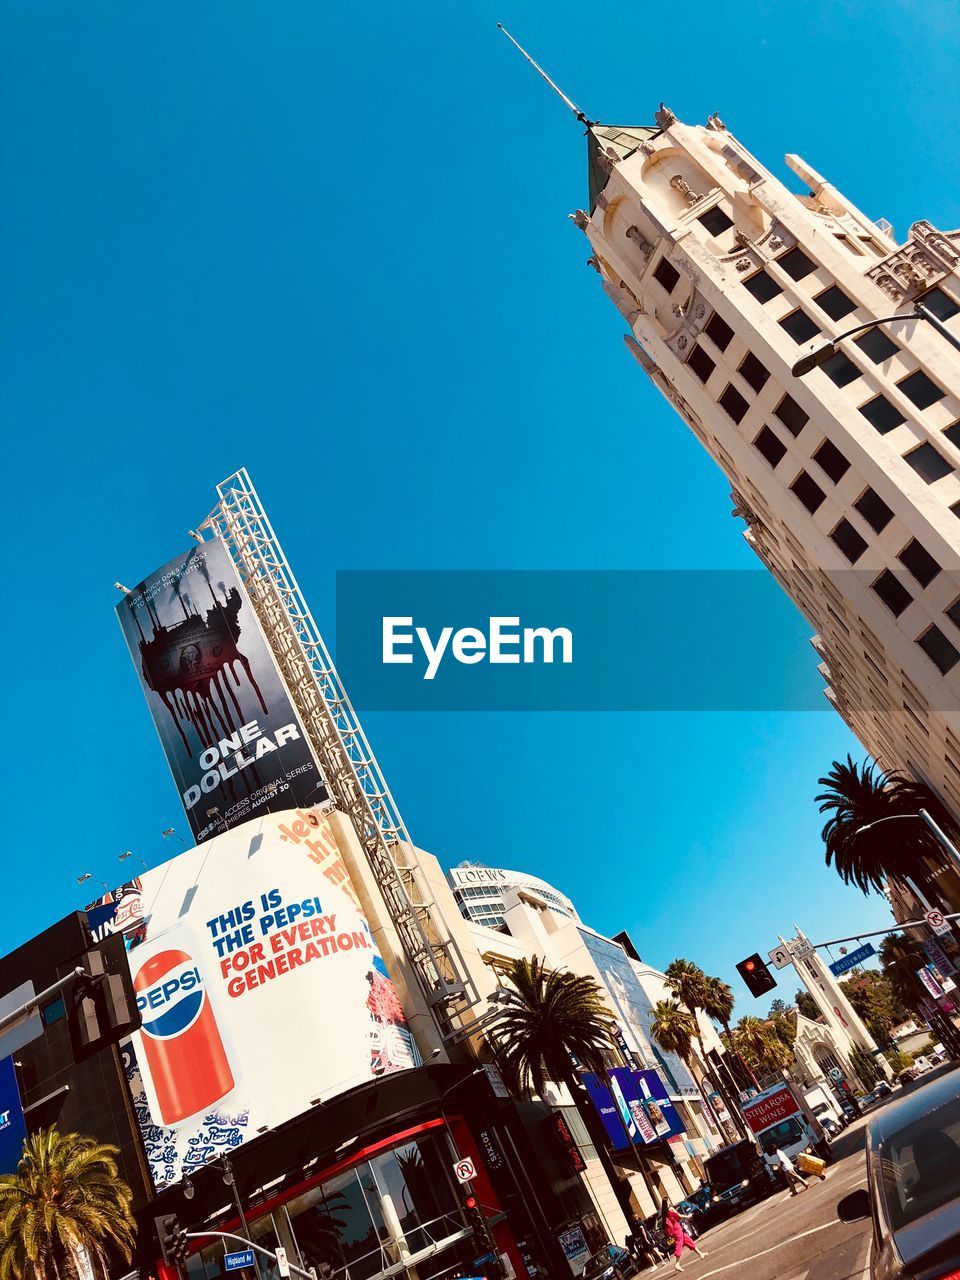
x=331, y=243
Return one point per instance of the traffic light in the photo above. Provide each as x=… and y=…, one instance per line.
x=102, y=1007
x=478, y=1222
x=756, y=975
x=172, y=1239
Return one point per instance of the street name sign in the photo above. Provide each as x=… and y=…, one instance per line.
x=852, y=959
x=465, y=1170
x=937, y=922
x=237, y=1261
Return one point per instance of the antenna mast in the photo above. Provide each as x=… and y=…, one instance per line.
x=540, y=71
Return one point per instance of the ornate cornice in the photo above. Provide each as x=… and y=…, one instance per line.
x=916, y=266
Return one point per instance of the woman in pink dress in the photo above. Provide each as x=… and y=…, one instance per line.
x=671, y=1223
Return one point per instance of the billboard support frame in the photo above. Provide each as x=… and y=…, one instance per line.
x=347, y=763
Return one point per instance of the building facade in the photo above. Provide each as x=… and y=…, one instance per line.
x=480, y=892
x=847, y=478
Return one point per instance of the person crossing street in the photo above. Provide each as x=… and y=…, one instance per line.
x=793, y=1176
x=671, y=1222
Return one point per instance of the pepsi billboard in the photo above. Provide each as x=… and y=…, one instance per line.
x=232, y=738
x=260, y=986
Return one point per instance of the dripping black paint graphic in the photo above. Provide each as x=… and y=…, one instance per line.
x=228, y=726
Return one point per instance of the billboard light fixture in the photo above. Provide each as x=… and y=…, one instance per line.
x=120, y=587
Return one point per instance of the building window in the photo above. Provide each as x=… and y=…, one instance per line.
x=928, y=463
x=799, y=326
x=920, y=562
x=840, y=369
x=770, y=445
x=762, y=286
x=874, y=510
x=808, y=491
x=849, y=541
x=881, y=414
x=701, y=364
x=939, y=650
x=953, y=613
x=835, y=303
x=734, y=403
x=847, y=243
x=718, y=331
x=953, y=434
x=715, y=221
x=940, y=303
x=791, y=415
x=923, y=391
x=876, y=345
x=796, y=264
x=53, y=1012
x=831, y=461
x=892, y=592
x=667, y=274
x=753, y=372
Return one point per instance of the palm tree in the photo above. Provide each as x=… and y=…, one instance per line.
x=549, y=1021
x=693, y=989
x=66, y=1195
x=759, y=1043
x=860, y=794
x=673, y=1029
x=718, y=1005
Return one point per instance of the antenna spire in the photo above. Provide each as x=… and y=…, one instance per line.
x=540, y=71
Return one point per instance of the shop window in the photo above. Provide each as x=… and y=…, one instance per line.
x=799, y=326
x=796, y=264
x=718, y=331
x=791, y=415
x=882, y=415
x=928, y=463
x=667, y=275
x=835, y=303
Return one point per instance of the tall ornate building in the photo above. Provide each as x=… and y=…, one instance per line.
x=847, y=477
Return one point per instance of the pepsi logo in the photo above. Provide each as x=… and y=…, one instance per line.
x=173, y=1003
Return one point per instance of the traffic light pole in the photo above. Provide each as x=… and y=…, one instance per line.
x=257, y=1248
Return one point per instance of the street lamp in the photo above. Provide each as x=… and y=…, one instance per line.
x=172, y=831
x=215, y=813
x=823, y=353
x=123, y=857
x=96, y=880
x=924, y=817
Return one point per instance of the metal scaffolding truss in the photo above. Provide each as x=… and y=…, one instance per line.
x=348, y=765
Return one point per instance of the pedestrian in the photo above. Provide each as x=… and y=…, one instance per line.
x=793, y=1177
x=671, y=1222
x=641, y=1244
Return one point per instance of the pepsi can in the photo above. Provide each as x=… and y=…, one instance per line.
x=186, y=1060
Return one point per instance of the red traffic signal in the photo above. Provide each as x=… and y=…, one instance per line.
x=756, y=975
x=471, y=1202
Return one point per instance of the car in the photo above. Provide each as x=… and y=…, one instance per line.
x=699, y=1205
x=609, y=1263
x=913, y=1184
x=881, y=1089
x=850, y=1111
x=907, y=1076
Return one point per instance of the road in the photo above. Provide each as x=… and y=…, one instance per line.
x=792, y=1237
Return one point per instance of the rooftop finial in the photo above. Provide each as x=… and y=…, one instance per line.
x=556, y=89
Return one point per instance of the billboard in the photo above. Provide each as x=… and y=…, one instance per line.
x=634, y=1107
x=231, y=736
x=13, y=1127
x=260, y=986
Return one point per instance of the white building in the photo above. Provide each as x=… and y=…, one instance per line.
x=848, y=478
x=480, y=892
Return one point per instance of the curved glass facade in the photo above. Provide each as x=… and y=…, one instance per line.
x=398, y=1213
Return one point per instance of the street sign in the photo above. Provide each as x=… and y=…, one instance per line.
x=465, y=1170
x=853, y=959
x=283, y=1266
x=29, y=1026
x=801, y=948
x=939, y=925
x=780, y=956
x=836, y=1074
x=500, y=1090
x=237, y=1261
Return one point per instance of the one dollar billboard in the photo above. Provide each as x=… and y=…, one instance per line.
x=232, y=738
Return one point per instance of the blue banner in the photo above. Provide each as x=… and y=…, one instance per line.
x=634, y=1107
x=852, y=960
x=13, y=1127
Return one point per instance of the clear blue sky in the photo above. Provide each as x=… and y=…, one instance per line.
x=330, y=243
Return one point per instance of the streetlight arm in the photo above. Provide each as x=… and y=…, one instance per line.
x=815, y=358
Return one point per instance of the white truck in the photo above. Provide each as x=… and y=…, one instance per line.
x=782, y=1121
x=824, y=1106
